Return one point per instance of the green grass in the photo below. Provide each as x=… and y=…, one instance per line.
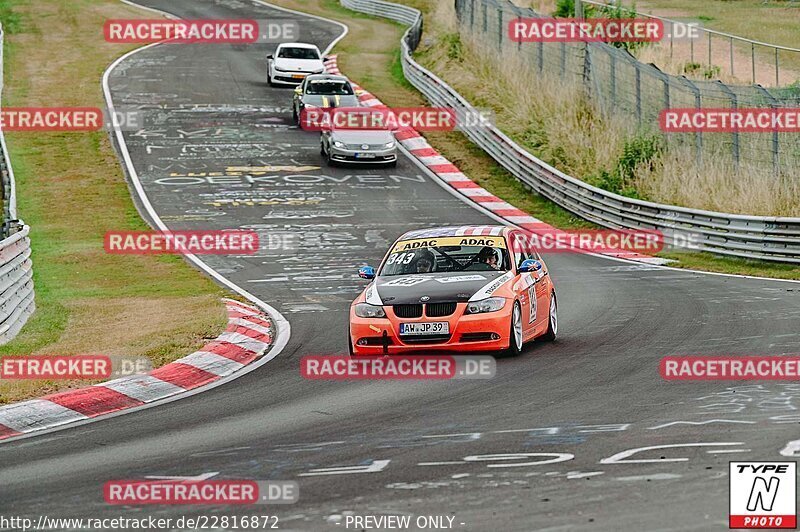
x=71, y=190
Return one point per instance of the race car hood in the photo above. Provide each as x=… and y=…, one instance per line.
x=319, y=100
x=439, y=287
x=362, y=136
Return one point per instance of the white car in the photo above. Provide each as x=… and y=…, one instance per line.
x=292, y=62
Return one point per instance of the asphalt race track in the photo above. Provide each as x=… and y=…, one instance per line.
x=207, y=160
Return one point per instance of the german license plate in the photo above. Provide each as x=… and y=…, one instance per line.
x=434, y=327
x=365, y=155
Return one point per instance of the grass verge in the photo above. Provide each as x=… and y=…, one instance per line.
x=71, y=190
x=370, y=55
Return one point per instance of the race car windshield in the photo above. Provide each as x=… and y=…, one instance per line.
x=446, y=259
x=298, y=53
x=330, y=88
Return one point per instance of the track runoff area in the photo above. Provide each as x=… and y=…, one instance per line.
x=662, y=396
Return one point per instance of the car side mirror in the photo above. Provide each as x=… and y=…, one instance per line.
x=270, y=56
x=298, y=91
x=366, y=272
x=530, y=265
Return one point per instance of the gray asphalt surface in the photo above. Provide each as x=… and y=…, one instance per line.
x=205, y=163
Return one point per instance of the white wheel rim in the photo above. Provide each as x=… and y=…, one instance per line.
x=553, y=315
x=517, y=327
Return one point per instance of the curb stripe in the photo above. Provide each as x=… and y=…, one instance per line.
x=184, y=375
x=212, y=363
x=248, y=336
x=244, y=325
x=36, y=414
x=145, y=388
x=7, y=432
x=230, y=351
x=94, y=401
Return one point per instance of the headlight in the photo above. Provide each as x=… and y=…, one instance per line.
x=365, y=310
x=492, y=304
x=279, y=69
x=389, y=145
x=338, y=144
x=320, y=71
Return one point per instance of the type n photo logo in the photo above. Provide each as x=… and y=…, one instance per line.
x=763, y=495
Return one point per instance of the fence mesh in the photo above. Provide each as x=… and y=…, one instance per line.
x=621, y=85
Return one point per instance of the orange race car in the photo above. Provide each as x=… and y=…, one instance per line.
x=471, y=288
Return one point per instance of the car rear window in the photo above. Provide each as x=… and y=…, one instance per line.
x=298, y=53
x=329, y=88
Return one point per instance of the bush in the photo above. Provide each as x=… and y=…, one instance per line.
x=455, y=50
x=638, y=153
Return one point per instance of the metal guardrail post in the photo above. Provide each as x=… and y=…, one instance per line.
x=734, y=105
x=698, y=136
x=541, y=56
x=500, y=31
x=612, y=73
x=773, y=103
x=472, y=14
x=638, y=75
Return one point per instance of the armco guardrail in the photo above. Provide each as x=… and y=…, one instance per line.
x=16, y=269
x=755, y=237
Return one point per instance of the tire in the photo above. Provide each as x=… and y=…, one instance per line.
x=295, y=117
x=269, y=77
x=392, y=164
x=552, y=320
x=328, y=160
x=322, y=149
x=515, y=338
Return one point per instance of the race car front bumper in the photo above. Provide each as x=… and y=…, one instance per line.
x=344, y=155
x=467, y=333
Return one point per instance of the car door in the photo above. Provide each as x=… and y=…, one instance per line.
x=525, y=286
x=542, y=286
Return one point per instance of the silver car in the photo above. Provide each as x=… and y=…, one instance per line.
x=358, y=146
x=322, y=91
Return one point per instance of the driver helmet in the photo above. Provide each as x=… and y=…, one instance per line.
x=424, y=256
x=487, y=252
